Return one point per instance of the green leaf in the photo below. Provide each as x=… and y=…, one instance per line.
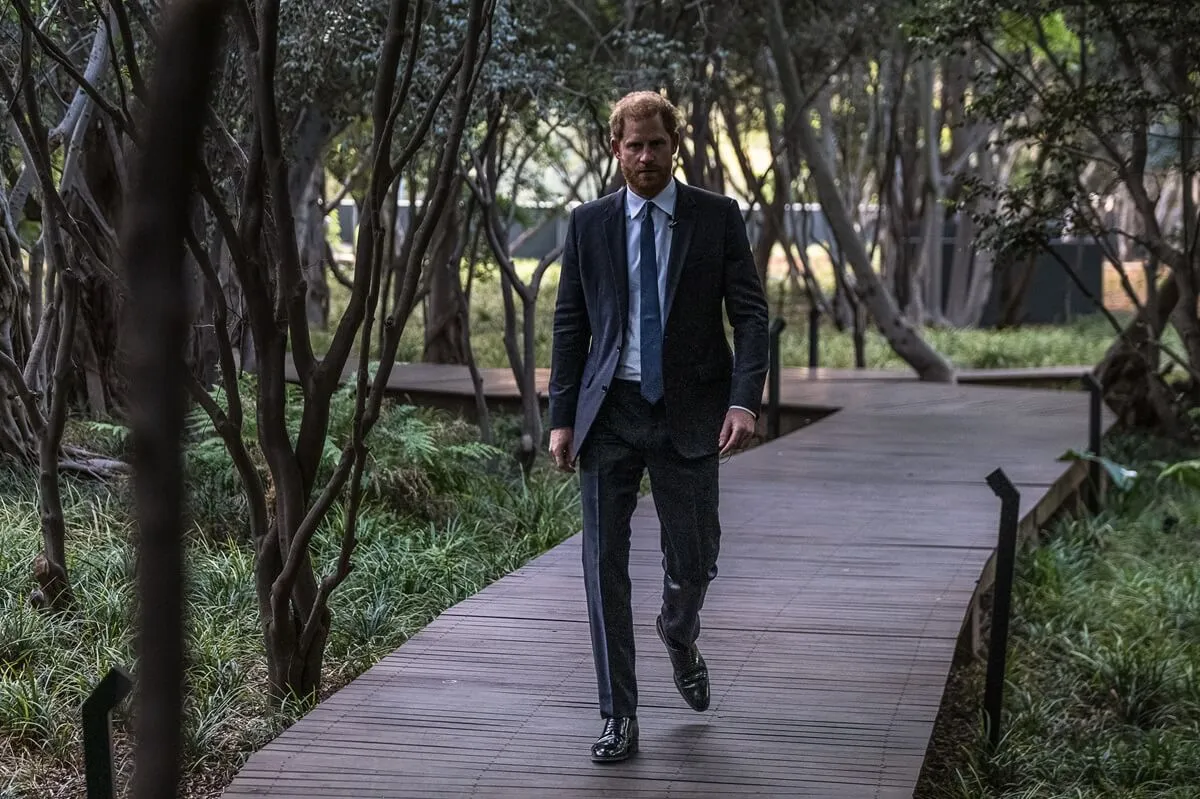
x=1121, y=477
x=1185, y=473
x=1048, y=34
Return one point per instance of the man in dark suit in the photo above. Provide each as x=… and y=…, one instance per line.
x=642, y=377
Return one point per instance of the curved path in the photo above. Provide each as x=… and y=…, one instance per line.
x=852, y=550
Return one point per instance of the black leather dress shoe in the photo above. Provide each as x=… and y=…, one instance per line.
x=618, y=741
x=691, y=672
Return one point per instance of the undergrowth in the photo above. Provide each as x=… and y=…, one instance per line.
x=1103, y=679
x=443, y=517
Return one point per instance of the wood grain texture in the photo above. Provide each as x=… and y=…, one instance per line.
x=850, y=552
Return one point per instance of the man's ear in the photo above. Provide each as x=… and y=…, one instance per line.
x=615, y=146
x=675, y=139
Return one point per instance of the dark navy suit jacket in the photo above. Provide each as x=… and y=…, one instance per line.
x=711, y=271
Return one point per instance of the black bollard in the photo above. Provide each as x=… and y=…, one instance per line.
x=1006, y=553
x=814, y=337
x=97, y=731
x=1095, y=471
x=777, y=326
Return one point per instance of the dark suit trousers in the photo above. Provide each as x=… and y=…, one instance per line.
x=628, y=438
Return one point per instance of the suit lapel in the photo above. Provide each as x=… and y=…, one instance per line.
x=618, y=255
x=681, y=240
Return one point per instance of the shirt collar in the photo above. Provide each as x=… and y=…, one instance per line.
x=665, y=200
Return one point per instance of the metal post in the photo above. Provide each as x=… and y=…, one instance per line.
x=97, y=731
x=1096, y=473
x=1006, y=553
x=814, y=332
x=777, y=326
x=860, y=338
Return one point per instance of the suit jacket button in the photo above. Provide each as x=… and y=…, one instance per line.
x=603, y=388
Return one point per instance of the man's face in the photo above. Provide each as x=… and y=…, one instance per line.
x=646, y=154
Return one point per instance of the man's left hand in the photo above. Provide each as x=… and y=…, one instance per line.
x=737, y=430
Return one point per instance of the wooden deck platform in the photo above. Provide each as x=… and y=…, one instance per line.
x=425, y=382
x=851, y=552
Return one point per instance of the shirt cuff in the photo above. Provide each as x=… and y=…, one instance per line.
x=747, y=410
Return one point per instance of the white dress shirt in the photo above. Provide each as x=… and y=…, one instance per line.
x=629, y=367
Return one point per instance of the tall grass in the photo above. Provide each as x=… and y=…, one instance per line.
x=1103, y=696
x=444, y=516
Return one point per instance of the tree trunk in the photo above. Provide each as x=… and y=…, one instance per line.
x=843, y=300
x=907, y=343
x=94, y=199
x=153, y=247
x=970, y=310
x=203, y=352
x=927, y=277
x=906, y=199
x=306, y=183
x=961, y=265
x=972, y=270
x=931, y=264
x=239, y=329
x=310, y=234
x=50, y=567
x=444, y=334
x=18, y=439
x=531, y=426
x=296, y=617
x=37, y=264
x=290, y=658
x=768, y=237
x=482, y=412
x=1129, y=370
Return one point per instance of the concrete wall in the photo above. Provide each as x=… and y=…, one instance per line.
x=1053, y=296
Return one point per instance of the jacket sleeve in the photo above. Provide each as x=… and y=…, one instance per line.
x=746, y=309
x=572, y=334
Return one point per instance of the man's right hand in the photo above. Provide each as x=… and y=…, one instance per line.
x=560, y=448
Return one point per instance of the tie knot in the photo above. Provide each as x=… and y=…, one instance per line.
x=649, y=208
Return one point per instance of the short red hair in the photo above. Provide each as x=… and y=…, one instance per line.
x=643, y=105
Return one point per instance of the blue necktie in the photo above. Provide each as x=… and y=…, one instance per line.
x=651, y=328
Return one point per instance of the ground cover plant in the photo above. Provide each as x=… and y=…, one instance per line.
x=1103, y=690
x=445, y=516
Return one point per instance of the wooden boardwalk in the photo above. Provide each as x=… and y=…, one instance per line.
x=851, y=552
x=434, y=383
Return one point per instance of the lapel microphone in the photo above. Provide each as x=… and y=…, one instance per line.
x=671, y=222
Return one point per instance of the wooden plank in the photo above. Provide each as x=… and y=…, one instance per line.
x=851, y=550
x=499, y=383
